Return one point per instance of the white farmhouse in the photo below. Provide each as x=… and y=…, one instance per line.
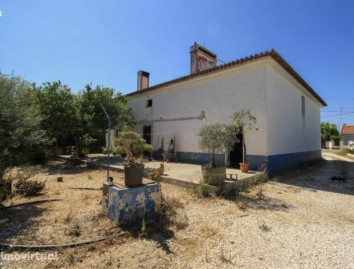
x=287, y=109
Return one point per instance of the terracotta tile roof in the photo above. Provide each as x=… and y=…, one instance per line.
x=347, y=130
x=272, y=53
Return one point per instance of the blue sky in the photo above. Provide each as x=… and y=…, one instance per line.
x=106, y=42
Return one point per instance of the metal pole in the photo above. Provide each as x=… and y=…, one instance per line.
x=109, y=140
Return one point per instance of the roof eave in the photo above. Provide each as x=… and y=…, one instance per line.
x=272, y=53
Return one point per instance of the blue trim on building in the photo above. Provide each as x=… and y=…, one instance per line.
x=282, y=162
x=275, y=164
x=257, y=162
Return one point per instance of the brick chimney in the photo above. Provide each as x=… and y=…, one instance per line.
x=143, y=80
x=201, y=59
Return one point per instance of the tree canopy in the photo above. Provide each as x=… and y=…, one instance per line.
x=33, y=117
x=58, y=109
x=92, y=120
x=20, y=121
x=329, y=132
x=217, y=137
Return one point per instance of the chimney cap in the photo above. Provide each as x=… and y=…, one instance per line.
x=203, y=49
x=143, y=73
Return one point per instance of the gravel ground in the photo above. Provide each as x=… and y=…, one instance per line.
x=303, y=219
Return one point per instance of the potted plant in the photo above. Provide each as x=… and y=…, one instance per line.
x=243, y=120
x=133, y=146
x=216, y=138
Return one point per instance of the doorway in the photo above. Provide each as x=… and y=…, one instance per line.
x=236, y=153
x=147, y=137
x=147, y=134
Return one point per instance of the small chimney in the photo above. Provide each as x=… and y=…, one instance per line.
x=201, y=59
x=143, y=80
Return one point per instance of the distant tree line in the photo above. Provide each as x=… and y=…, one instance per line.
x=37, y=122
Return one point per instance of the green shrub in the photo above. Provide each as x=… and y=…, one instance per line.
x=201, y=190
x=132, y=145
x=345, y=151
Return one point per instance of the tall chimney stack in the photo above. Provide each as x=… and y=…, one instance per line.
x=143, y=80
x=201, y=59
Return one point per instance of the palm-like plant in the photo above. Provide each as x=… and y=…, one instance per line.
x=243, y=120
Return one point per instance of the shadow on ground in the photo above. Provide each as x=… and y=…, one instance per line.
x=66, y=168
x=258, y=202
x=155, y=229
x=15, y=221
x=158, y=228
x=325, y=175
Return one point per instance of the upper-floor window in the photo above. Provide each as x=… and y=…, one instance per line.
x=303, y=105
x=148, y=103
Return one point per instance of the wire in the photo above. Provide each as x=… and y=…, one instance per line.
x=338, y=98
x=42, y=247
x=221, y=61
x=335, y=111
x=31, y=203
x=337, y=114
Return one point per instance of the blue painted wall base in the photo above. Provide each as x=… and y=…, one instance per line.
x=126, y=206
x=275, y=164
x=280, y=163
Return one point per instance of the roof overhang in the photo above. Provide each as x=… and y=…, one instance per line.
x=272, y=53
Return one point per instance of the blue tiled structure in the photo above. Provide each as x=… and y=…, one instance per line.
x=125, y=206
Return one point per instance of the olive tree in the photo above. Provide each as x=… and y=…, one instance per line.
x=21, y=135
x=217, y=138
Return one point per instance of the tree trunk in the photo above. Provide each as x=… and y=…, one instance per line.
x=56, y=146
x=78, y=145
x=244, y=148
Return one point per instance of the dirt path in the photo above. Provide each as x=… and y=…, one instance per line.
x=302, y=220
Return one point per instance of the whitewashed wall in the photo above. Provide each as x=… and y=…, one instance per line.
x=218, y=95
x=288, y=130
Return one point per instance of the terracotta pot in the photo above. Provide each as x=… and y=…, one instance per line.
x=244, y=167
x=213, y=175
x=133, y=175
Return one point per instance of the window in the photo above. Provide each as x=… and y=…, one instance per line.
x=303, y=105
x=148, y=103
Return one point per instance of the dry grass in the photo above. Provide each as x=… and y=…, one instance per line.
x=289, y=223
x=78, y=212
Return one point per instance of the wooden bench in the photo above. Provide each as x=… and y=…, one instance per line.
x=230, y=176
